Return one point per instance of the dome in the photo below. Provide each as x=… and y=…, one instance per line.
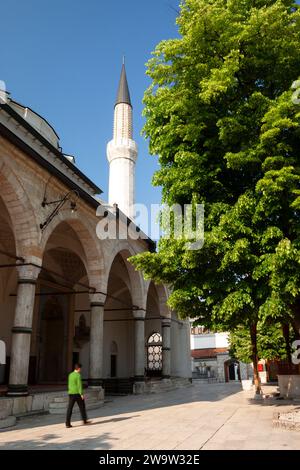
x=37, y=122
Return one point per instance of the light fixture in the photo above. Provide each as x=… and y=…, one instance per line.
x=59, y=204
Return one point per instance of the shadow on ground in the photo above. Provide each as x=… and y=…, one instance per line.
x=134, y=403
x=44, y=442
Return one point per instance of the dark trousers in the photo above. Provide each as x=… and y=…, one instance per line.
x=80, y=402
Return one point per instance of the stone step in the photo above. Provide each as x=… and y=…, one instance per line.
x=7, y=422
x=166, y=385
x=64, y=404
x=90, y=395
x=60, y=399
x=58, y=405
x=62, y=410
x=31, y=413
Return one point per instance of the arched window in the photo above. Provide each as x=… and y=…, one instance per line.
x=154, y=353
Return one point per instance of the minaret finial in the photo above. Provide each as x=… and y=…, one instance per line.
x=123, y=59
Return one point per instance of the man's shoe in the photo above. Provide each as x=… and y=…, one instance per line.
x=69, y=426
x=88, y=421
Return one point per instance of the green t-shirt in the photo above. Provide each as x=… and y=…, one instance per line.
x=75, y=384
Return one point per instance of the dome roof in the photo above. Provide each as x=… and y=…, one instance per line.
x=37, y=122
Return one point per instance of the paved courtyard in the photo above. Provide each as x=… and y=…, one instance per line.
x=203, y=416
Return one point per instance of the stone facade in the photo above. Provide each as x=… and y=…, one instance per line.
x=65, y=294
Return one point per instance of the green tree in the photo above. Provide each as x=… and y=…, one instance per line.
x=219, y=115
x=270, y=343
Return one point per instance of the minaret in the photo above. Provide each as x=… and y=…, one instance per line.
x=122, y=152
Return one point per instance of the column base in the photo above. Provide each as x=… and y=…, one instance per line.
x=17, y=390
x=139, y=387
x=139, y=378
x=95, y=383
x=7, y=422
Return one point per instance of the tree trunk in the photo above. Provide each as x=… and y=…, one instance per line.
x=253, y=334
x=295, y=321
x=286, y=335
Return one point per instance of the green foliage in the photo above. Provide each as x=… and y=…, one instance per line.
x=219, y=115
x=270, y=343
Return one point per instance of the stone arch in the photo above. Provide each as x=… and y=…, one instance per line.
x=21, y=212
x=137, y=284
x=162, y=297
x=92, y=252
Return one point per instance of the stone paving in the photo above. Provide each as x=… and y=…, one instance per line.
x=202, y=416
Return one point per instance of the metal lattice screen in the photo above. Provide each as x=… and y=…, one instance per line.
x=154, y=351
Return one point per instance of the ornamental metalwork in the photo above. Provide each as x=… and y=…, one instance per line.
x=154, y=352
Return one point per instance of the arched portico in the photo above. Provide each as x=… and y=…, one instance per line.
x=124, y=322
x=70, y=268
x=21, y=213
x=158, y=327
x=19, y=248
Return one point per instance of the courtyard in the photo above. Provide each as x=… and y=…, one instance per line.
x=200, y=417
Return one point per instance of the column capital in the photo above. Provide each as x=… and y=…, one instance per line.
x=166, y=322
x=28, y=273
x=97, y=299
x=139, y=314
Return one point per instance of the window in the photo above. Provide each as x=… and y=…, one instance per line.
x=154, y=351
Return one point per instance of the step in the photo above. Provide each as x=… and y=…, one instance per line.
x=31, y=413
x=63, y=410
x=7, y=422
x=60, y=399
x=57, y=405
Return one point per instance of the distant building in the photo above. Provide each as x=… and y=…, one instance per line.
x=209, y=353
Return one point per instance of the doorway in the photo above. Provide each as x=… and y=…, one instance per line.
x=52, y=366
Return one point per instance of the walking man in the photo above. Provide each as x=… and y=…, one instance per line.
x=75, y=391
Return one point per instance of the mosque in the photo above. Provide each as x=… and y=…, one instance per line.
x=66, y=294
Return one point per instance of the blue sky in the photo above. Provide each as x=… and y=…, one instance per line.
x=63, y=59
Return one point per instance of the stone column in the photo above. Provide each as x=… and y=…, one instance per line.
x=96, y=341
x=139, y=350
x=166, y=348
x=21, y=331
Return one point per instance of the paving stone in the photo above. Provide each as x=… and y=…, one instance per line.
x=204, y=416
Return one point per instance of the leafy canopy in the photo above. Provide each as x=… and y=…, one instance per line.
x=219, y=114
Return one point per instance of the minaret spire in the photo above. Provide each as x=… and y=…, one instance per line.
x=123, y=95
x=122, y=151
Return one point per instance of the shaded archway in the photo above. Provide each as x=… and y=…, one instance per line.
x=118, y=321
x=153, y=326
x=134, y=279
x=8, y=283
x=232, y=370
x=124, y=294
x=62, y=307
x=21, y=213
